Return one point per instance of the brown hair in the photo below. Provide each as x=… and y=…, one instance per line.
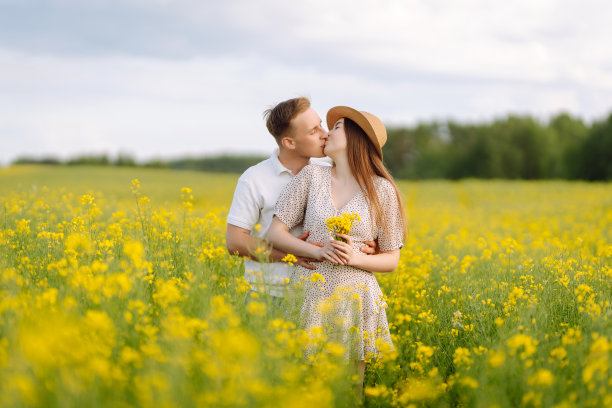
x=278, y=119
x=365, y=161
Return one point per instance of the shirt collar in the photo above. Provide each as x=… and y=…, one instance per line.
x=277, y=165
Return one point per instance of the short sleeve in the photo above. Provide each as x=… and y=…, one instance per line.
x=246, y=205
x=291, y=204
x=391, y=234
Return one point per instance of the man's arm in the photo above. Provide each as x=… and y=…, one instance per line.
x=239, y=241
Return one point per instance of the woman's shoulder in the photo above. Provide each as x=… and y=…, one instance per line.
x=313, y=170
x=383, y=185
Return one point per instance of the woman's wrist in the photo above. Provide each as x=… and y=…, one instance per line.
x=355, y=260
x=315, y=252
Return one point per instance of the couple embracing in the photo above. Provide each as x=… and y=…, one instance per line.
x=287, y=199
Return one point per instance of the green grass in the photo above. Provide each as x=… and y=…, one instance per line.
x=162, y=186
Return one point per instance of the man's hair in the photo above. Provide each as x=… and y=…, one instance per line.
x=278, y=119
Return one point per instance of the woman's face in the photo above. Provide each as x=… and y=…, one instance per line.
x=336, y=139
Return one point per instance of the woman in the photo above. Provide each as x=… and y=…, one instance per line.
x=357, y=183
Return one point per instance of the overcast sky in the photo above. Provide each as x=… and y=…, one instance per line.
x=164, y=78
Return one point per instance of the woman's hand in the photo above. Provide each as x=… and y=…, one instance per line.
x=328, y=252
x=343, y=250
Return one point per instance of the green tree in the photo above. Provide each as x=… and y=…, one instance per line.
x=595, y=157
x=570, y=135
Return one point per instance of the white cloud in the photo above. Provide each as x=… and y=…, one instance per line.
x=177, y=88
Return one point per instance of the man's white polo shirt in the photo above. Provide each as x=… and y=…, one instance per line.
x=254, y=200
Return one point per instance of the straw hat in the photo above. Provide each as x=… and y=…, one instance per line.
x=370, y=124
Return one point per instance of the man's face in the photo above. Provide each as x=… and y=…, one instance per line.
x=308, y=135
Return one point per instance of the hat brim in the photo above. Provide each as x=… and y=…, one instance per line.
x=359, y=118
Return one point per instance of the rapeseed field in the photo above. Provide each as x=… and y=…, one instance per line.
x=116, y=290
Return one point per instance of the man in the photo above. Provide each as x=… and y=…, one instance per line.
x=297, y=129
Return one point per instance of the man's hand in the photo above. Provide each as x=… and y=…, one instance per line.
x=306, y=262
x=370, y=248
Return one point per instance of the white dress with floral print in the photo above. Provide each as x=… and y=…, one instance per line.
x=349, y=306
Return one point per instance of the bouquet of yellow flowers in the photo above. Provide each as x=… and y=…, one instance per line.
x=342, y=224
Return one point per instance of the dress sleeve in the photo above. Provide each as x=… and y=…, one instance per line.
x=291, y=204
x=390, y=234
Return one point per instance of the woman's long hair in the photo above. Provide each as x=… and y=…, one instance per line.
x=365, y=162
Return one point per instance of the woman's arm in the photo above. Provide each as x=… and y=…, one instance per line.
x=385, y=261
x=382, y=262
x=280, y=237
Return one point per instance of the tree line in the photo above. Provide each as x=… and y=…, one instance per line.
x=221, y=164
x=513, y=147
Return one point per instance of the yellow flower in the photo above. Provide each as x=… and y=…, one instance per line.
x=461, y=357
x=558, y=353
x=335, y=349
x=98, y=320
x=289, y=259
x=134, y=250
x=424, y=353
x=496, y=358
x=469, y=382
x=186, y=198
x=78, y=243
x=416, y=389
x=342, y=224
x=526, y=342
x=130, y=356
x=573, y=336
x=256, y=308
x=135, y=186
x=87, y=199
x=167, y=292
x=379, y=390
x=317, y=277
x=541, y=378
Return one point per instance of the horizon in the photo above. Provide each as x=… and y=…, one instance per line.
x=115, y=155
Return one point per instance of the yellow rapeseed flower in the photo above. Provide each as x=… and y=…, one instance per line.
x=342, y=224
x=79, y=243
x=378, y=390
x=496, y=358
x=469, y=382
x=527, y=343
x=317, y=277
x=461, y=357
x=134, y=250
x=256, y=308
x=135, y=186
x=559, y=353
x=290, y=259
x=541, y=378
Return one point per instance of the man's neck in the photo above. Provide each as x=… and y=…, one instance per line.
x=291, y=161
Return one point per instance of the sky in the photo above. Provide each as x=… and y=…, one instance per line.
x=172, y=78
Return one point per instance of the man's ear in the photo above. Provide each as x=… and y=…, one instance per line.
x=288, y=143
